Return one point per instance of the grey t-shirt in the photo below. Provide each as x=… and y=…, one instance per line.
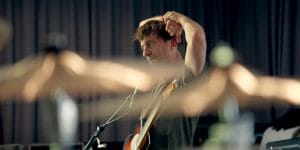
x=172, y=132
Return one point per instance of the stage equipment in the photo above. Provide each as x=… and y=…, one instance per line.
x=39, y=77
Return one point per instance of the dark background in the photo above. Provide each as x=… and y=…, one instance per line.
x=265, y=34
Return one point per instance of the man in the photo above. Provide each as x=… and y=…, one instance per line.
x=159, y=38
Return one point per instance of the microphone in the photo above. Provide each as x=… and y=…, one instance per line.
x=55, y=43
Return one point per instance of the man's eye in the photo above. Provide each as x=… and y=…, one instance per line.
x=149, y=45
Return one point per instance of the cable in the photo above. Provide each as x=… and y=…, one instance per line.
x=131, y=97
x=100, y=128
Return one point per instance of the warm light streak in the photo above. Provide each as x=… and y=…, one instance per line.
x=122, y=74
x=71, y=61
x=244, y=79
x=199, y=98
x=39, y=77
x=286, y=89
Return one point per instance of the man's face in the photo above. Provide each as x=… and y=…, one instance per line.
x=155, y=49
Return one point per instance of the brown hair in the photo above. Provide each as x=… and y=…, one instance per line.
x=152, y=27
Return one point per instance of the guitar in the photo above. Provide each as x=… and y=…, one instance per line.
x=139, y=140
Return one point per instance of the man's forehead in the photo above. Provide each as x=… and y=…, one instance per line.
x=145, y=41
x=150, y=37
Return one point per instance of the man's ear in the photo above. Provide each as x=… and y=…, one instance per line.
x=174, y=42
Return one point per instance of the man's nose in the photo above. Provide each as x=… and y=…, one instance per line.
x=146, y=52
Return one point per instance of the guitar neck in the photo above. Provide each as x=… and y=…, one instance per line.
x=153, y=113
x=147, y=124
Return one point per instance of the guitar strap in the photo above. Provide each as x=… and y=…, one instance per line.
x=166, y=92
x=169, y=89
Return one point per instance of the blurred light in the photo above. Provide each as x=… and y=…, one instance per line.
x=122, y=74
x=67, y=118
x=290, y=89
x=267, y=87
x=244, y=79
x=5, y=33
x=72, y=61
x=204, y=94
x=222, y=56
x=285, y=89
x=229, y=111
x=38, y=78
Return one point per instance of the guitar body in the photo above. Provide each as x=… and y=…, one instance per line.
x=132, y=143
x=141, y=140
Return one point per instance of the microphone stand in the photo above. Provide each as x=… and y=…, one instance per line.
x=101, y=128
x=94, y=137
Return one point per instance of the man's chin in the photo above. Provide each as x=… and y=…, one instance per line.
x=152, y=62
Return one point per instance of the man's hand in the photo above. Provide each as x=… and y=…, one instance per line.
x=195, y=38
x=173, y=26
